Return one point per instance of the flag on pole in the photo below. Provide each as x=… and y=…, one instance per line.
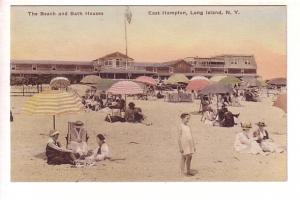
x=128, y=14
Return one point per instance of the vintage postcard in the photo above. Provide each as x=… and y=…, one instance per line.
x=148, y=93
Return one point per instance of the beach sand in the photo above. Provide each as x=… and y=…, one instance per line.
x=151, y=152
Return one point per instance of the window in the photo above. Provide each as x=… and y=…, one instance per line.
x=53, y=67
x=33, y=67
x=226, y=71
x=110, y=62
x=208, y=71
x=117, y=62
x=247, y=62
x=13, y=67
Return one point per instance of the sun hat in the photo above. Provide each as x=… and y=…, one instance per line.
x=261, y=123
x=53, y=133
x=78, y=123
x=101, y=137
x=246, y=125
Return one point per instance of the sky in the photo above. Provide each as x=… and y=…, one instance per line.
x=255, y=30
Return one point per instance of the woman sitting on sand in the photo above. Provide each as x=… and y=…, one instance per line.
x=261, y=136
x=209, y=117
x=102, y=151
x=244, y=141
x=56, y=155
x=134, y=114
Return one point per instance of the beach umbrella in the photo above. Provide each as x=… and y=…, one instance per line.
x=80, y=89
x=53, y=102
x=91, y=79
x=177, y=78
x=253, y=82
x=105, y=84
x=217, y=78
x=216, y=88
x=281, y=102
x=199, y=78
x=277, y=81
x=59, y=82
x=125, y=87
x=146, y=79
x=229, y=80
x=197, y=85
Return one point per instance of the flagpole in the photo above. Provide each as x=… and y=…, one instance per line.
x=125, y=41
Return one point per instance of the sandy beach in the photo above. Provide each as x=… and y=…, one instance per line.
x=151, y=152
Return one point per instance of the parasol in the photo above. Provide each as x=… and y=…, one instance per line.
x=197, y=85
x=59, y=82
x=177, y=78
x=53, y=102
x=199, y=78
x=91, y=79
x=146, y=79
x=125, y=87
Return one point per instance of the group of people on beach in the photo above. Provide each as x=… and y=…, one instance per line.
x=77, y=151
x=256, y=142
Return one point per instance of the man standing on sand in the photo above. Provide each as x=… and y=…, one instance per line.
x=186, y=144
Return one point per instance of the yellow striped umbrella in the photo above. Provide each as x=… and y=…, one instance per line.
x=53, y=102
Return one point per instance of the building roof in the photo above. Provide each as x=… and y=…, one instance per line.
x=51, y=72
x=51, y=62
x=162, y=64
x=114, y=55
x=233, y=55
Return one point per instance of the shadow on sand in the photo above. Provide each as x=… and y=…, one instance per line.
x=41, y=156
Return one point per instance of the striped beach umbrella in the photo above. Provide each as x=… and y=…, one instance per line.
x=59, y=82
x=197, y=85
x=199, y=78
x=53, y=103
x=125, y=87
x=229, y=80
x=217, y=78
x=177, y=78
x=146, y=79
x=91, y=79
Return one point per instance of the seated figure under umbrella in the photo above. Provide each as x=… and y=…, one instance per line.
x=77, y=138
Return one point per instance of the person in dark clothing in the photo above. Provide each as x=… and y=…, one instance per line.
x=228, y=120
x=221, y=113
x=56, y=155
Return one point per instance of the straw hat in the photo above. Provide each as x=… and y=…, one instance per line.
x=79, y=123
x=53, y=133
x=247, y=125
x=261, y=123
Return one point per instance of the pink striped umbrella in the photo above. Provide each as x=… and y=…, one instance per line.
x=197, y=85
x=146, y=79
x=125, y=87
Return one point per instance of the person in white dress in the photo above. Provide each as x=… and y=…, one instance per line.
x=186, y=144
x=78, y=137
x=261, y=136
x=101, y=152
x=209, y=117
x=244, y=141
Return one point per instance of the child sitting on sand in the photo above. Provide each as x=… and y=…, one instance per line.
x=102, y=151
x=186, y=144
